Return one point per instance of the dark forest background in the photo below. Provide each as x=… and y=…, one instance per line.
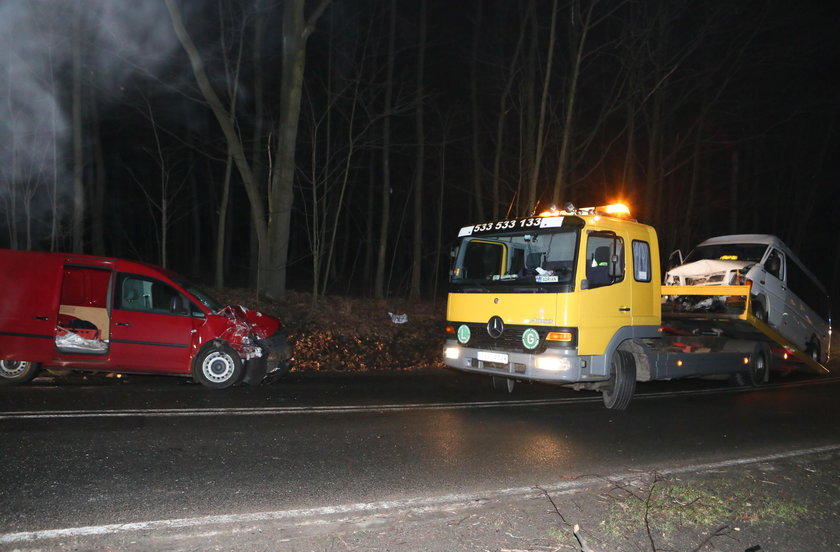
x=337, y=146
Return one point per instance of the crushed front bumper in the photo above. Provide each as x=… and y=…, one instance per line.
x=275, y=360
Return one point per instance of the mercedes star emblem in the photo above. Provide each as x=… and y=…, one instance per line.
x=495, y=327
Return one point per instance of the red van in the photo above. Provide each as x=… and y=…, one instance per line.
x=82, y=312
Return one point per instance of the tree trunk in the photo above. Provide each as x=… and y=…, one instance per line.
x=97, y=191
x=560, y=180
x=502, y=117
x=226, y=122
x=417, y=253
x=379, y=285
x=476, y=116
x=221, y=232
x=78, y=228
x=261, y=144
x=734, y=179
x=538, y=154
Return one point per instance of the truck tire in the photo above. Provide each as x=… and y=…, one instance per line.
x=759, y=368
x=760, y=312
x=813, y=349
x=217, y=366
x=622, y=382
x=16, y=372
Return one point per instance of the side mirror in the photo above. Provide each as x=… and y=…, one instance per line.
x=616, y=268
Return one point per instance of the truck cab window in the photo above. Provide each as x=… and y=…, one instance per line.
x=604, y=259
x=641, y=261
x=482, y=260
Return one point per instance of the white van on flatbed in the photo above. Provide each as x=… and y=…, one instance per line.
x=784, y=293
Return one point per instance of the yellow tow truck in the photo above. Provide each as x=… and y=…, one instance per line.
x=573, y=297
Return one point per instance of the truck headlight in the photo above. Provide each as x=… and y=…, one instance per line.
x=452, y=353
x=553, y=363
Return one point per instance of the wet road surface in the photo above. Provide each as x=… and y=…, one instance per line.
x=98, y=451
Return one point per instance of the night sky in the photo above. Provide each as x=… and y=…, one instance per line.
x=707, y=117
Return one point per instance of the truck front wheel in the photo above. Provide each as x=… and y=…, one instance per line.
x=622, y=382
x=15, y=372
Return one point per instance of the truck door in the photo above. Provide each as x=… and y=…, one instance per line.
x=152, y=328
x=647, y=299
x=605, y=293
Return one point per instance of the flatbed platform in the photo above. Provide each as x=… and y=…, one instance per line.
x=725, y=312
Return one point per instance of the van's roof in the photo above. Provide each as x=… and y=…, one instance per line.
x=745, y=238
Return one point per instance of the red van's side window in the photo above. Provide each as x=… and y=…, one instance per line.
x=141, y=293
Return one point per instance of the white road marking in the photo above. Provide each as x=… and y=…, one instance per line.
x=434, y=503
x=346, y=409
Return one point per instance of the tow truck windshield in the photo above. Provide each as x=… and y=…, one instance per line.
x=524, y=261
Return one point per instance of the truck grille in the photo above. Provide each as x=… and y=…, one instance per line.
x=511, y=338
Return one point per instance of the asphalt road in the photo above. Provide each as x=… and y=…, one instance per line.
x=97, y=452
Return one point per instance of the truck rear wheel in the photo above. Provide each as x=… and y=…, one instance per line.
x=622, y=382
x=759, y=368
x=16, y=372
x=813, y=349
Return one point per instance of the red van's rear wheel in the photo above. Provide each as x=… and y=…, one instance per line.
x=15, y=372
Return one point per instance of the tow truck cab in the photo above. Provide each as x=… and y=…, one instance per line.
x=104, y=314
x=550, y=298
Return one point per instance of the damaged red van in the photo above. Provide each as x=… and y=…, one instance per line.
x=82, y=312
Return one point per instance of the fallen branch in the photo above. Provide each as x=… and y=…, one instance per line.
x=583, y=546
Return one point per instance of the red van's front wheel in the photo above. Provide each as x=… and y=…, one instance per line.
x=217, y=366
x=15, y=372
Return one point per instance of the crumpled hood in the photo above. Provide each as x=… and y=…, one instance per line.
x=248, y=320
x=707, y=266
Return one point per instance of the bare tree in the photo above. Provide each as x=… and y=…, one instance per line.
x=475, y=111
x=78, y=152
x=379, y=284
x=272, y=225
x=420, y=158
x=296, y=31
x=579, y=26
x=501, y=118
x=544, y=100
x=337, y=131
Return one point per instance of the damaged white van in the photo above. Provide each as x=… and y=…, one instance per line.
x=785, y=294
